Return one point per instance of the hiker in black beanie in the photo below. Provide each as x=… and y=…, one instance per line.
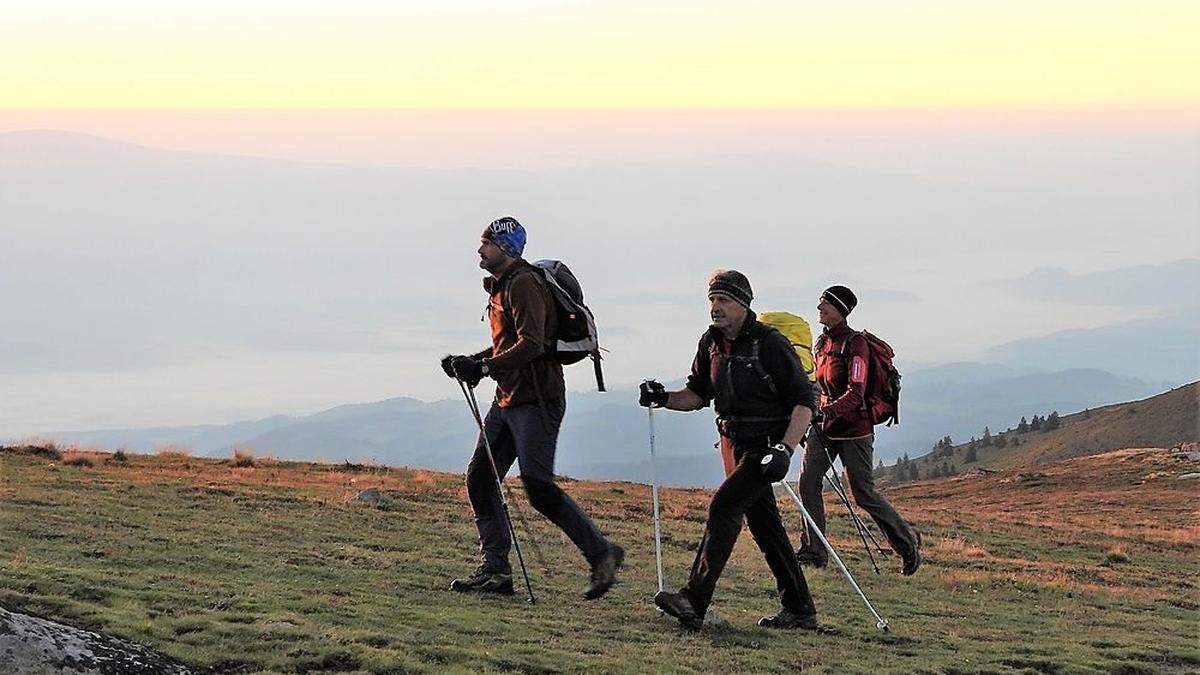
x=764, y=405
x=845, y=429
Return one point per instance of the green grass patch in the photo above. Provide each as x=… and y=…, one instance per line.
x=271, y=570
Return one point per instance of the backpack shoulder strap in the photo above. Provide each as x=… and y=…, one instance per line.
x=845, y=351
x=756, y=357
x=505, y=305
x=819, y=344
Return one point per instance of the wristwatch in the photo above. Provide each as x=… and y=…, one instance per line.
x=483, y=367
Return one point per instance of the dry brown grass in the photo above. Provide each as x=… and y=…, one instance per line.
x=78, y=459
x=1116, y=555
x=173, y=451
x=35, y=447
x=959, y=547
x=244, y=458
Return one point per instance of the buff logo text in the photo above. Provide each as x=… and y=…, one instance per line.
x=504, y=227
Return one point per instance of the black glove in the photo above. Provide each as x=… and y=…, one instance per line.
x=775, y=462
x=467, y=369
x=447, y=368
x=652, y=394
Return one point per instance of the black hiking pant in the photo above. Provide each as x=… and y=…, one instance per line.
x=856, y=457
x=526, y=434
x=746, y=493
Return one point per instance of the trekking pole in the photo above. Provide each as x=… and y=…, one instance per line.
x=473, y=404
x=880, y=622
x=858, y=525
x=654, y=493
x=863, y=531
x=840, y=488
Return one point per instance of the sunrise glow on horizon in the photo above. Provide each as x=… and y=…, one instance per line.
x=533, y=54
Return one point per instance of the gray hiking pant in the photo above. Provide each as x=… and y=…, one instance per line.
x=856, y=456
x=528, y=435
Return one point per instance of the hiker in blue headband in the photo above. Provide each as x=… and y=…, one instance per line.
x=507, y=234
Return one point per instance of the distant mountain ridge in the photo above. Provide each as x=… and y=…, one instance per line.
x=605, y=436
x=1161, y=350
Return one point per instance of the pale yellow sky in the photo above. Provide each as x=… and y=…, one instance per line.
x=617, y=54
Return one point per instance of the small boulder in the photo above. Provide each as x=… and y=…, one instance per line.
x=369, y=496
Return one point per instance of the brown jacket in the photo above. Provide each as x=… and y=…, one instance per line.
x=521, y=316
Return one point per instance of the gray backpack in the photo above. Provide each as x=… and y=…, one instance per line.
x=576, y=338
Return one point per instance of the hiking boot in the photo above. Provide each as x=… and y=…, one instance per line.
x=810, y=557
x=679, y=607
x=910, y=562
x=604, y=573
x=485, y=580
x=787, y=619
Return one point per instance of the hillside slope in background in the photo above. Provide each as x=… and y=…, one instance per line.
x=1160, y=421
x=268, y=567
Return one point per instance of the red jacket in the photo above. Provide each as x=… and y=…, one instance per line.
x=841, y=372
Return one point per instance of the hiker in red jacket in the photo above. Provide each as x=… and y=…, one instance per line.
x=843, y=428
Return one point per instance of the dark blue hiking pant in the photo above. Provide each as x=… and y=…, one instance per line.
x=528, y=435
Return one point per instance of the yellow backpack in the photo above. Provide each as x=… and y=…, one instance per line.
x=796, y=330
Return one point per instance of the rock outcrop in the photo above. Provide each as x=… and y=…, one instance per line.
x=33, y=646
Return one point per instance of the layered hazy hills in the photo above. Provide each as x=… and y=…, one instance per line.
x=219, y=283
x=1161, y=421
x=604, y=436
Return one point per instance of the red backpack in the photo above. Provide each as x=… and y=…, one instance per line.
x=882, y=399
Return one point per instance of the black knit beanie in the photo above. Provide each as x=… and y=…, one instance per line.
x=842, y=299
x=733, y=284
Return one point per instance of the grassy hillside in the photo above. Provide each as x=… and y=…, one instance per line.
x=1160, y=421
x=1088, y=567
